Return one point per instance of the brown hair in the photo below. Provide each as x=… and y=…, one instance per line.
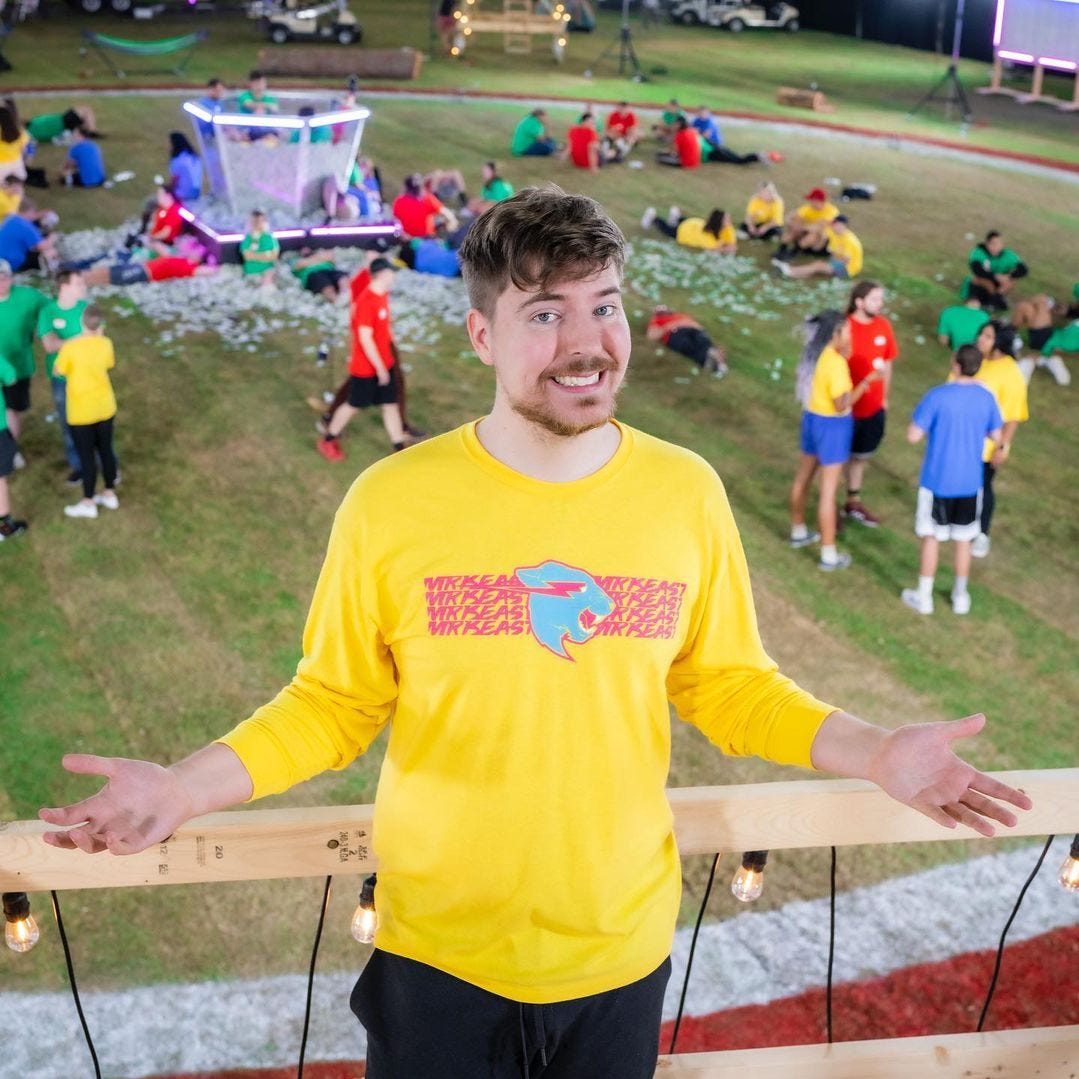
x=534, y=238
x=860, y=291
x=92, y=317
x=968, y=359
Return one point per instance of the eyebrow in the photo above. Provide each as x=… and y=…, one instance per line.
x=547, y=297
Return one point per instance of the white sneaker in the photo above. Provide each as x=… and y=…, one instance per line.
x=648, y=217
x=742, y=234
x=81, y=509
x=107, y=499
x=1058, y=369
x=914, y=600
x=804, y=541
x=782, y=267
x=842, y=561
x=1026, y=367
x=674, y=215
x=961, y=602
x=18, y=461
x=979, y=546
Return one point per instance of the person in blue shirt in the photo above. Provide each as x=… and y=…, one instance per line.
x=84, y=167
x=957, y=418
x=185, y=168
x=213, y=101
x=431, y=256
x=23, y=245
x=704, y=123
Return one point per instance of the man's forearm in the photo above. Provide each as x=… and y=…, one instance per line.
x=847, y=746
x=214, y=778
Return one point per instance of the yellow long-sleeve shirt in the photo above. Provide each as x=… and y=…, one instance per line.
x=525, y=637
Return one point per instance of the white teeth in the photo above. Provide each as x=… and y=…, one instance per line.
x=583, y=380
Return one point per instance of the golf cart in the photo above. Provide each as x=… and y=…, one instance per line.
x=735, y=16
x=301, y=20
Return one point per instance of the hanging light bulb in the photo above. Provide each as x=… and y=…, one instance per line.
x=365, y=918
x=1069, y=871
x=748, y=882
x=20, y=929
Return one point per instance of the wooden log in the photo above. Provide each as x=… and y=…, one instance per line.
x=314, y=61
x=1046, y=1052
x=802, y=99
x=262, y=844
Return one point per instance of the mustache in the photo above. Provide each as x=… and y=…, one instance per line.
x=586, y=365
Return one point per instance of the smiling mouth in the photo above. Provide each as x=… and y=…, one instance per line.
x=575, y=381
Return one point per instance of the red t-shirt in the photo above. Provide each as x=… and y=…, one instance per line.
x=869, y=340
x=688, y=148
x=670, y=317
x=372, y=309
x=417, y=215
x=169, y=220
x=580, y=137
x=164, y=269
x=621, y=123
x=357, y=287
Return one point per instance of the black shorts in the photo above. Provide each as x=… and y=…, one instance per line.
x=1036, y=338
x=17, y=395
x=8, y=449
x=128, y=273
x=947, y=518
x=319, y=279
x=868, y=435
x=692, y=342
x=364, y=392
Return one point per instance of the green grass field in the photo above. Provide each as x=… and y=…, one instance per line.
x=147, y=632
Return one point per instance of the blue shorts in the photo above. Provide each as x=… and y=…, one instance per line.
x=827, y=437
x=839, y=269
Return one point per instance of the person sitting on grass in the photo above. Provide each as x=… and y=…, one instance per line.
x=14, y=141
x=530, y=138
x=827, y=394
x=85, y=362
x=494, y=189
x=161, y=224
x=995, y=268
x=957, y=417
x=431, y=256
x=318, y=273
x=256, y=101
x=12, y=192
x=622, y=128
x=1051, y=328
x=55, y=126
x=418, y=210
x=764, y=214
x=686, y=151
x=804, y=231
x=9, y=526
x=185, y=168
x=667, y=126
x=25, y=242
x=844, y=253
x=714, y=233
x=686, y=336
x=584, y=147
x=259, y=251
x=448, y=186
x=84, y=165
x=704, y=123
x=960, y=323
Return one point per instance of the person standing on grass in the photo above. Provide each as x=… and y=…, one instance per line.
x=505, y=595
x=58, y=321
x=259, y=251
x=872, y=348
x=9, y=526
x=828, y=393
x=1001, y=374
x=957, y=418
x=20, y=306
x=370, y=382
x=85, y=362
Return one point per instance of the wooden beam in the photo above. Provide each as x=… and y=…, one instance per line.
x=266, y=843
x=1046, y=1052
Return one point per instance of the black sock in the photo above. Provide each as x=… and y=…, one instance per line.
x=327, y=437
x=852, y=494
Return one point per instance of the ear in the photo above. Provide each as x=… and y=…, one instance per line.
x=479, y=333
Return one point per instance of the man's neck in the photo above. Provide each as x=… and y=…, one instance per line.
x=530, y=450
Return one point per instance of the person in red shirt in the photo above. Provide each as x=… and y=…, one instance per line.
x=370, y=379
x=622, y=129
x=582, y=144
x=687, y=147
x=873, y=348
x=685, y=335
x=417, y=209
x=165, y=222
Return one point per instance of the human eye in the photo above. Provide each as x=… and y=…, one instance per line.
x=544, y=318
x=606, y=310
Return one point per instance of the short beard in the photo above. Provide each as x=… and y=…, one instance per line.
x=563, y=428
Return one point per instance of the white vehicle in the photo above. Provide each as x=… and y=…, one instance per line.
x=735, y=16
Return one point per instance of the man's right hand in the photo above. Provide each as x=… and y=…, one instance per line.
x=383, y=377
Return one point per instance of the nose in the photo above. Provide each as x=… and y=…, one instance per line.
x=585, y=334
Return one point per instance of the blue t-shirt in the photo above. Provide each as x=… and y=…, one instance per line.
x=89, y=162
x=186, y=172
x=708, y=129
x=213, y=107
x=18, y=237
x=432, y=256
x=956, y=417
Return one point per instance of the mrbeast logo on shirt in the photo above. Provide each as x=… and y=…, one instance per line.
x=556, y=604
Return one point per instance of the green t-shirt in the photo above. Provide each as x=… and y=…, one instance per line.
x=1005, y=262
x=497, y=190
x=247, y=102
x=8, y=375
x=961, y=324
x=526, y=133
x=262, y=243
x=304, y=272
x=46, y=127
x=18, y=324
x=671, y=117
x=318, y=134
x=65, y=322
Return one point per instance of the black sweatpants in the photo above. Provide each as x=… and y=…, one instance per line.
x=93, y=441
x=422, y=1023
x=989, y=500
x=724, y=156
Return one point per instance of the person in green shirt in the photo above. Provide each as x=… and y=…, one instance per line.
x=995, y=268
x=668, y=122
x=258, y=102
x=259, y=250
x=19, y=308
x=960, y=323
x=57, y=321
x=494, y=189
x=8, y=450
x=530, y=137
x=318, y=273
x=50, y=126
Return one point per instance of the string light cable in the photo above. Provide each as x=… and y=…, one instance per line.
x=73, y=983
x=1004, y=935
x=311, y=976
x=831, y=948
x=692, y=949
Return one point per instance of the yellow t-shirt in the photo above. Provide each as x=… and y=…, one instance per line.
x=526, y=650
x=85, y=362
x=1005, y=381
x=10, y=152
x=847, y=248
x=831, y=379
x=762, y=212
x=812, y=216
x=9, y=203
x=691, y=233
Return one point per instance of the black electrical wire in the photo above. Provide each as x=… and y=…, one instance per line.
x=1007, y=926
x=74, y=986
x=831, y=952
x=692, y=949
x=311, y=976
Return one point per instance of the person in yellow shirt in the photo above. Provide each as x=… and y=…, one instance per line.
x=526, y=651
x=804, y=231
x=844, y=259
x=764, y=214
x=85, y=362
x=11, y=195
x=827, y=395
x=1001, y=374
x=714, y=233
x=13, y=142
